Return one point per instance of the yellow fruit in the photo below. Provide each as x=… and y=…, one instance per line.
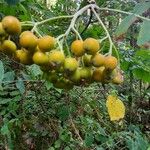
x=24, y=57
x=25, y=32
x=28, y=40
x=117, y=77
x=40, y=58
x=9, y=47
x=2, y=31
x=46, y=43
x=98, y=60
x=56, y=58
x=110, y=62
x=91, y=46
x=77, y=48
x=70, y=64
x=87, y=60
x=11, y=25
x=98, y=75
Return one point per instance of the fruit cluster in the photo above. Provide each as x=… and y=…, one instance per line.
x=85, y=65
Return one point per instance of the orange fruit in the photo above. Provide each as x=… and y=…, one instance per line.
x=98, y=74
x=11, y=25
x=110, y=62
x=98, y=60
x=46, y=43
x=77, y=48
x=91, y=46
x=28, y=40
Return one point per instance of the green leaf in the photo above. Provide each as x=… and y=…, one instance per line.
x=141, y=60
x=51, y=148
x=139, y=73
x=67, y=148
x=145, y=54
x=89, y=139
x=1, y=71
x=12, y=2
x=4, y=101
x=148, y=148
x=35, y=70
x=5, y=130
x=20, y=85
x=126, y=23
x=144, y=35
x=9, y=76
x=63, y=112
x=99, y=148
x=57, y=144
x=48, y=85
x=65, y=137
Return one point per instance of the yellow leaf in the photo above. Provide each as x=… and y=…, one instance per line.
x=116, y=108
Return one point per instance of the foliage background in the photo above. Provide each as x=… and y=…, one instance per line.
x=35, y=115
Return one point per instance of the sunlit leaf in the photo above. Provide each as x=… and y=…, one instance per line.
x=116, y=108
x=144, y=35
x=139, y=73
x=126, y=23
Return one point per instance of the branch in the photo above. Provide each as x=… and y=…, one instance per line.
x=104, y=27
x=73, y=21
x=89, y=22
x=51, y=19
x=47, y=20
x=123, y=12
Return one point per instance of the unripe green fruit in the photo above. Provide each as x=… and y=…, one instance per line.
x=70, y=64
x=53, y=77
x=85, y=73
x=87, y=60
x=76, y=77
x=63, y=84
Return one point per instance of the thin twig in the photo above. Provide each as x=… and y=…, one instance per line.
x=124, y=12
x=76, y=131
